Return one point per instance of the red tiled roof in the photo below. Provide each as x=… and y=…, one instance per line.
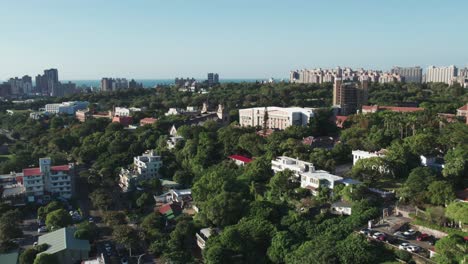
x=31, y=172
x=60, y=168
x=165, y=208
x=464, y=108
x=124, y=120
x=341, y=118
x=240, y=158
x=37, y=171
x=148, y=120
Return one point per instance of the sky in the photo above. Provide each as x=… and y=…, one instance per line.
x=149, y=39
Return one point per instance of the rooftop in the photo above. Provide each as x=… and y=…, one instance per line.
x=240, y=158
x=63, y=239
x=37, y=171
x=10, y=257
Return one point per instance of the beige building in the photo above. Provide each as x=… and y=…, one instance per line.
x=441, y=74
x=277, y=117
x=349, y=96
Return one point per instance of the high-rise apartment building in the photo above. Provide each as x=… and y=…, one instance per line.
x=349, y=96
x=213, y=79
x=110, y=84
x=48, y=83
x=410, y=74
x=441, y=74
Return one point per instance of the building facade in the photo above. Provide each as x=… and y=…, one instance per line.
x=144, y=167
x=213, y=79
x=48, y=180
x=410, y=74
x=441, y=74
x=68, y=108
x=349, y=96
x=276, y=117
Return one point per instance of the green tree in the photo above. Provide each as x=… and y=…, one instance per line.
x=450, y=249
x=144, y=200
x=126, y=235
x=280, y=185
x=415, y=187
x=28, y=256
x=101, y=199
x=456, y=164
x=9, y=228
x=356, y=249
x=45, y=258
x=458, y=211
x=281, y=245
x=440, y=192
x=57, y=219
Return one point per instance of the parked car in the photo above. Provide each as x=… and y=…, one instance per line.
x=42, y=229
x=108, y=247
x=365, y=231
x=431, y=240
x=409, y=233
x=412, y=248
x=423, y=237
x=399, y=234
x=376, y=235
x=91, y=220
x=403, y=246
x=124, y=260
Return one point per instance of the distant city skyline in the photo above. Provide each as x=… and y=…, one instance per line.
x=88, y=40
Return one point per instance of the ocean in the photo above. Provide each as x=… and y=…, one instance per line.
x=149, y=83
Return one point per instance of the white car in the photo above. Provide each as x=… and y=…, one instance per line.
x=403, y=246
x=412, y=248
x=377, y=234
x=410, y=232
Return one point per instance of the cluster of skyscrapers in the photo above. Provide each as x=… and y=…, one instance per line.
x=448, y=75
x=47, y=84
x=111, y=84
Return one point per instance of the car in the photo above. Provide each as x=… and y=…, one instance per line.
x=423, y=237
x=42, y=229
x=412, y=248
x=91, y=220
x=377, y=234
x=399, y=234
x=124, y=260
x=35, y=244
x=71, y=213
x=382, y=237
x=409, y=232
x=403, y=246
x=365, y=231
x=108, y=247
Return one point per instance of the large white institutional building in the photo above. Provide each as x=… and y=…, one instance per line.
x=278, y=117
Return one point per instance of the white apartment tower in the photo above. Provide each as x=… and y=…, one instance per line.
x=441, y=74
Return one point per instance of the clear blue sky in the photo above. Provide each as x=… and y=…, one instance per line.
x=89, y=39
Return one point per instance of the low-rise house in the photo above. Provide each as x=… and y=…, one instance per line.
x=319, y=142
x=297, y=166
x=463, y=111
x=48, y=180
x=124, y=120
x=172, y=141
x=341, y=208
x=147, y=121
x=314, y=179
x=277, y=117
x=170, y=211
x=361, y=154
x=340, y=120
x=376, y=108
x=63, y=244
x=240, y=160
x=144, y=167
x=203, y=235
x=432, y=162
x=97, y=260
x=123, y=111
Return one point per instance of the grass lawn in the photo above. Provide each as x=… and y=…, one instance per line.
x=390, y=184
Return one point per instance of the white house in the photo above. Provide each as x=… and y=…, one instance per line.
x=68, y=108
x=282, y=163
x=144, y=167
x=203, y=235
x=306, y=173
x=278, y=117
x=123, y=111
x=341, y=208
x=361, y=154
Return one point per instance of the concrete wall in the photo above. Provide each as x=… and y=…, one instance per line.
x=427, y=230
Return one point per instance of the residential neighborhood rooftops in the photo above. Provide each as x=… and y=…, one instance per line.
x=62, y=239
